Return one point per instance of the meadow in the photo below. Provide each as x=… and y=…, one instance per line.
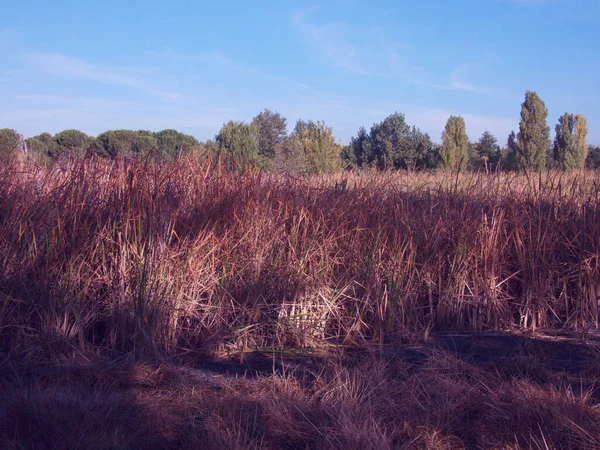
x=130, y=288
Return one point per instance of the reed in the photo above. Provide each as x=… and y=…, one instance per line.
x=154, y=258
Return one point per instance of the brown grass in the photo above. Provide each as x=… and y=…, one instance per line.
x=151, y=260
x=446, y=399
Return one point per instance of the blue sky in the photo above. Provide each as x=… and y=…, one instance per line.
x=193, y=65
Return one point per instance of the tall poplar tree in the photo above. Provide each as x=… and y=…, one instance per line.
x=455, y=144
x=533, y=140
x=570, y=146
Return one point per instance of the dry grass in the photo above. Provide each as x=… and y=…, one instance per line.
x=445, y=400
x=151, y=258
x=146, y=260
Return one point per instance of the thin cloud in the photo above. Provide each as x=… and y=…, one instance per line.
x=65, y=66
x=456, y=80
x=219, y=59
x=330, y=40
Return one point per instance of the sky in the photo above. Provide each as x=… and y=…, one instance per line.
x=194, y=65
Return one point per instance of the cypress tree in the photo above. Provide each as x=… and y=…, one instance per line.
x=533, y=140
x=570, y=147
x=455, y=144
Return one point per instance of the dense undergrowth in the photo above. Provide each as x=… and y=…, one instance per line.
x=474, y=392
x=151, y=258
x=121, y=280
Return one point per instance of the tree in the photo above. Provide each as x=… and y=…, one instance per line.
x=42, y=146
x=593, y=159
x=272, y=130
x=396, y=145
x=533, y=140
x=126, y=142
x=455, y=144
x=117, y=142
x=9, y=142
x=316, y=140
x=359, y=151
x=290, y=156
x=508, y=155
x=432, y=159
x=71, y=142
x=570, y=147
x=486, y=151
x=391, y=144
x=238, y=143
x=172, y=143
x=36, y=146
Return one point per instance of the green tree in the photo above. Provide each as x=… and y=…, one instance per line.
x=396, y=145
x=238, y=143
x=9, y=142
x=272, y=131
x=570, y=146
x=316, y=140
x=172, y=143
x=508, y=156
x=486, y=151
x=359, y=152
x=117, y=142
x=290, y=156
x=455, y=144
x=593, y=159
x=42, y=146
x=533, y=140
x=433, y=158
x=71, y=142
x=391, y=144
x=36, y=146
x=126, y=142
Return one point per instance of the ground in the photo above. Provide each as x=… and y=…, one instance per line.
x=467, y=390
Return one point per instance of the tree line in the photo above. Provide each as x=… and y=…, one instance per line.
x=394, y=144
x=310, y=147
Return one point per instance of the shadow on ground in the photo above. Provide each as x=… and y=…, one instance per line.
x=479, y=390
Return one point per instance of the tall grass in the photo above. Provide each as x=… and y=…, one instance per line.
x=153, y=258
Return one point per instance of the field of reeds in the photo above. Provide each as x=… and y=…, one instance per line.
x=147, y=261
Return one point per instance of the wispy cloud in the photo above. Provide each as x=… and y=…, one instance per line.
x=221, y=60
x=34, y=114
x=384, y=61
x=65, y=66
x=331, y=40
x=457, y=80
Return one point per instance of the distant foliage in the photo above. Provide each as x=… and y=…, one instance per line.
x=316, y=141
x=272, y=131
x=115, y=143
x=509, y=155
x=71, y=143
x=593, y=158
x=291, y=157
x=238, y=143
x=359, y=153
x=533, y=139
x=486, y=152
x=9, y=140
x=391, y=144
x=311, y=147
x=570, y=146
x=172, y=143
x=42, y=146
x=455, y=144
